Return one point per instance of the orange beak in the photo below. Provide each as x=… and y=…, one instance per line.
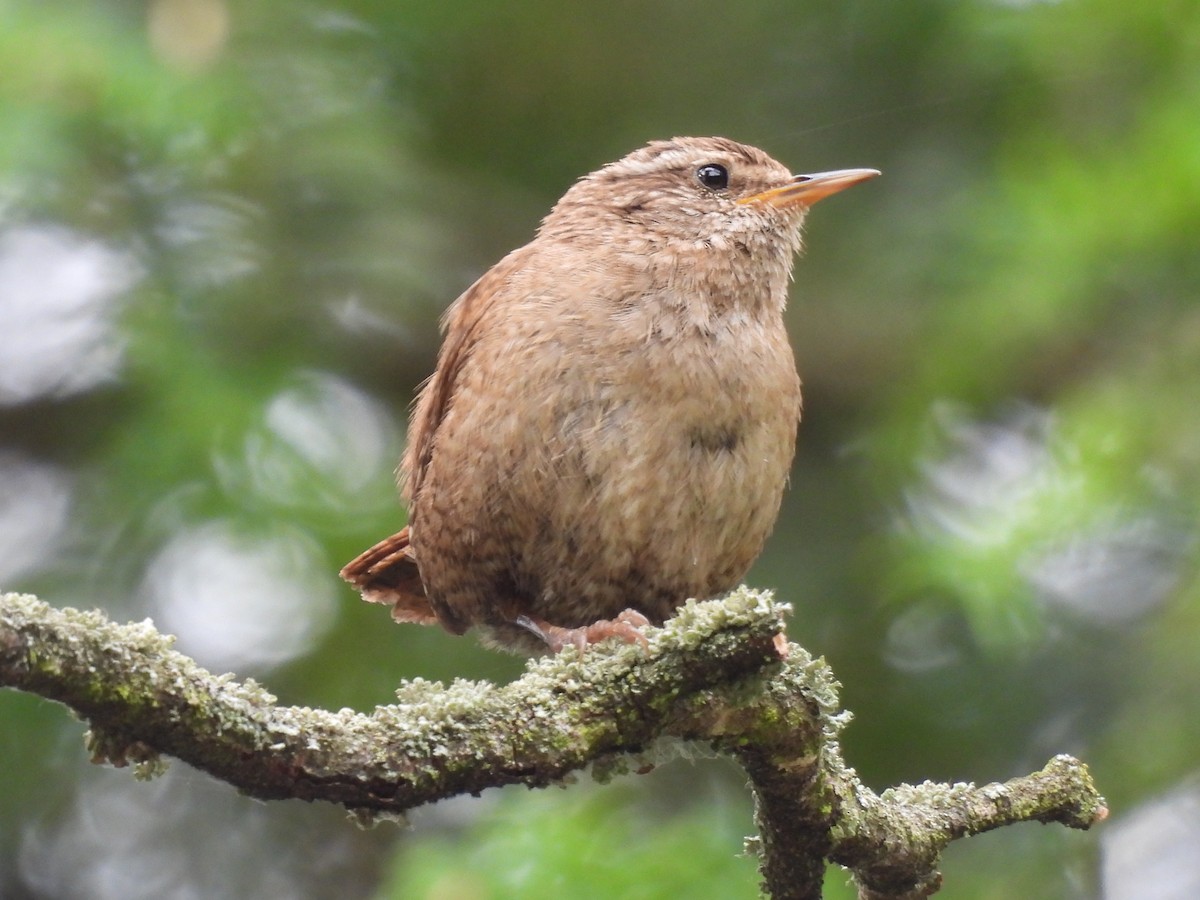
x=805, y=190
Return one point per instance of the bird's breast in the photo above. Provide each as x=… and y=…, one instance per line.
x=707, y=418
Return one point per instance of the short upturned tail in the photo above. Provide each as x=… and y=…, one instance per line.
x=387, y=573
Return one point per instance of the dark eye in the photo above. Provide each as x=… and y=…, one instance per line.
x=713, y=176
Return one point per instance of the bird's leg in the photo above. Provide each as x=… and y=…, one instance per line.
x=626, y=626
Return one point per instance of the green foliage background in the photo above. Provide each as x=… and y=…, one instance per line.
x=991, y=531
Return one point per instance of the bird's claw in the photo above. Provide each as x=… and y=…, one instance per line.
x=627, y=625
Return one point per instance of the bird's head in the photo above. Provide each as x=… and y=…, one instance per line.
x=702, y=192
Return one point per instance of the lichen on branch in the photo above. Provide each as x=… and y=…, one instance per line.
x=718, y=672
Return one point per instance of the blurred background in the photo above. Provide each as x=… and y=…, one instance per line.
x=227, y=230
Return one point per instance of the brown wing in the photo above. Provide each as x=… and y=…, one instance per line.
x=387, y=573
x=460, y=325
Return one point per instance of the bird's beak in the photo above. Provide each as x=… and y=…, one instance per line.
x=805, y=190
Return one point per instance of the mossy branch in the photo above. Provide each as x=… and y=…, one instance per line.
x=717, y=672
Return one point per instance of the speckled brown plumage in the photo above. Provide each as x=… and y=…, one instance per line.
x=614, y=410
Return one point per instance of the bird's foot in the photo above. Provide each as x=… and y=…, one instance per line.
x=627, y=626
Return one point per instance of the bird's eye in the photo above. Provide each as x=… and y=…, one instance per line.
x=713, y=176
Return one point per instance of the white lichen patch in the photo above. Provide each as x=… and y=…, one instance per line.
x=995, y=791
x=150, y=768
x=369, y=818
x=249, y=692
x=930, y=794
x=418, y=690
x=128, y=640
x=743, y=607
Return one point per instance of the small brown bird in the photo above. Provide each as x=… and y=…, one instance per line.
x=613, y=415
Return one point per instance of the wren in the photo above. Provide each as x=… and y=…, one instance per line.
x=613, y=415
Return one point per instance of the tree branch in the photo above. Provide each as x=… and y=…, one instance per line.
x=718, y=672
x=928, y=816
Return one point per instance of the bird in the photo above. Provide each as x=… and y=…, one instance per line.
x=613, y=414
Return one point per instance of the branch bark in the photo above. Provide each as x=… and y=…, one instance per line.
x=719, y=672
